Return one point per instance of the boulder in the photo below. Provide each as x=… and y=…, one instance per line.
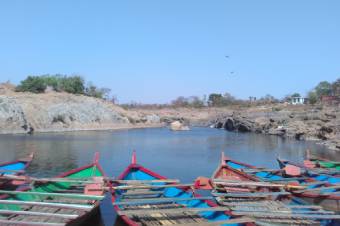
x=152, y=119
x=229, y=124
x=178, y=126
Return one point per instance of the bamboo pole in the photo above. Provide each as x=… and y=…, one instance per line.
x=87, y=180
x=142, y=181
x=172, y=210
x=29, y=223
x=161, y=200
x=144, y=186
x=284, y=179
x=259, y=204
x=33, y=179
x=48, y=204
x=11, y=171
x=289, y=211
x=255, y=184
x=318, y=189
x=40, y=214
x=66, y=195
x=287, y=215
x=240, y=220
x=253, y=195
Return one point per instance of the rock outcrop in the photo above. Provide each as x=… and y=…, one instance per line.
x=178, y=126
x=28, y=113
x=318, y=123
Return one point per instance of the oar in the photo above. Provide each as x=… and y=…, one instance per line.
x=108, y=213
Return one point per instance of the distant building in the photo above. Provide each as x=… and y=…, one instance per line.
x=330, y=99
x=298, y=100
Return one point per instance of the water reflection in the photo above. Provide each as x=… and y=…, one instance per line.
x=183, y=155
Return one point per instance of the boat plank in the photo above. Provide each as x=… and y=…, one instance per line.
x=47, y=204
x=30, y=223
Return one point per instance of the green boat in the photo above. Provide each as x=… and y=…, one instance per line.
x=323, y=163
x=68, y=199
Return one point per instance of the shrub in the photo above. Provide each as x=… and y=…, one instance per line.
x=34, y=84
x=73, y=84
x=70, y=84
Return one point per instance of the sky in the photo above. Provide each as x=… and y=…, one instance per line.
x=153, y=51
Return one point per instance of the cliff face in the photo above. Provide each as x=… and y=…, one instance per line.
x=27, y=112
x=302, y=123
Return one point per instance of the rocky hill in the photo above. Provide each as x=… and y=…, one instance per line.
x=55, y=112
x=320, y=123
x=28, y=113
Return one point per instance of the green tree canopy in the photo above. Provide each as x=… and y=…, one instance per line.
x=296, y=95
x=32, y=84
x=312, y=97
x=336, y=87
x=215, y=99
x=62, y=83
x=324, y=88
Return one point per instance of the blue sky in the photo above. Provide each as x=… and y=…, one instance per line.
x=153, y=51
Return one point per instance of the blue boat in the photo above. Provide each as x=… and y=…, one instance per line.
x=315, y=192
x=159, y=202
x=13, y=168
x=16, y=167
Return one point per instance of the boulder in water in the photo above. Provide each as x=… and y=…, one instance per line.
x=178, y=126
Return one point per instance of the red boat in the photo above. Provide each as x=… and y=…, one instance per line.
x=165, y=203
x=69, y=199
x=319, y=189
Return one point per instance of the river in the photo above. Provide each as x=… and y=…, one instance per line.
x=183, y=155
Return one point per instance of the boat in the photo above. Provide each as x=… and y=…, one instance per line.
x=68, y=199
x=308, y=168
x=319, y=162
x=317, y=190
x=15, y=168
x=143, y=197
x=247, y=194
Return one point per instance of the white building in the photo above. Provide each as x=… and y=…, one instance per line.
x=298, y=100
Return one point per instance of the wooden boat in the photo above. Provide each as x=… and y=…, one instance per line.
x=266, y=202
x=319, y=190
x=16, y=168
x=67, y=199
x=307, y=169
x=143, y=197
x=319, y=162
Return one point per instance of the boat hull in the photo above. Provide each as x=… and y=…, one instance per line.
x=331, y=203
x=326, y=203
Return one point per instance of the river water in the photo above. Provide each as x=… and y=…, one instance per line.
x=183, y=155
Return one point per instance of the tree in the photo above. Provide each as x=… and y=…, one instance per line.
x=215, y=99
x=268, y=99
x=196, y=102
x=34, y=84
x=73, y=84
x=312, y=97
x=323, y=89
x=180, y=102
x=336, y=87
x=296, y=95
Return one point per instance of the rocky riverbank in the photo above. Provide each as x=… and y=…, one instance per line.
x=56, y=112
x=321, y=123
